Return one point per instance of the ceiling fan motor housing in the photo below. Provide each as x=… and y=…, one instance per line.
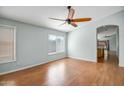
x=68, y=21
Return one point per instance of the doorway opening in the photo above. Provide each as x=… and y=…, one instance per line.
x=108, y=44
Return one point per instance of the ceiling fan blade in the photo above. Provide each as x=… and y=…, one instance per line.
x=62, y=24
x=73, y=24
x=80, y=19
x=71, y=13
x=57, y=19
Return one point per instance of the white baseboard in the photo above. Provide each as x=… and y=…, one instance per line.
x=22, y=68
x=7, y=72
x=82, y=59
x=121, y=65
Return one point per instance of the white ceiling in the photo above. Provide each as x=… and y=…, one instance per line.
x=38, y=15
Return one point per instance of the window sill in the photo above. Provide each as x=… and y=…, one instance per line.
x=4, y=62
x=53, y=53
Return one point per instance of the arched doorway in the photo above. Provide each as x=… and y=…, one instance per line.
x=108, y=44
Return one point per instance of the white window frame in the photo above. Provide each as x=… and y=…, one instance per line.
x=14, y=46
x=52, y=53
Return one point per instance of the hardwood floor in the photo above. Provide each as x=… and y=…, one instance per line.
x=68, y=72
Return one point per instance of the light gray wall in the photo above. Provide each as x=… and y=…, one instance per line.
x=117, y=43
x=112, y=43
x=31, y=44
x=82, y=42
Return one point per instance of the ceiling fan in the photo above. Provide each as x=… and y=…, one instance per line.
x=70, y=20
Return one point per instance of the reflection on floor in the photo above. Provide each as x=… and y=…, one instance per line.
x=68, y=72
x=110, y=57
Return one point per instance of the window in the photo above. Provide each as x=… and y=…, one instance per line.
x=7, y=44
x=52, y=44
x=60, y=44
x=56, y=44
